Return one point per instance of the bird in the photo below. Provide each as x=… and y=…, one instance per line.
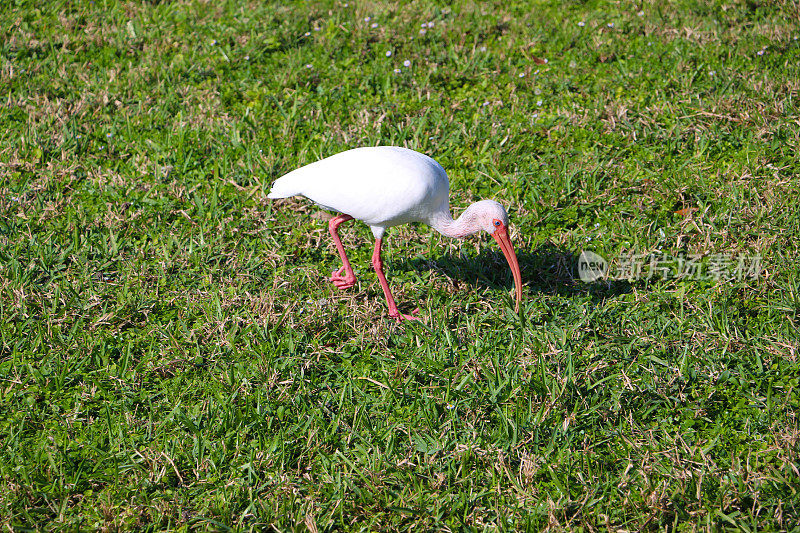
x=386, y=186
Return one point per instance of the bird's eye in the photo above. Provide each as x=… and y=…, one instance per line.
x=497, y=223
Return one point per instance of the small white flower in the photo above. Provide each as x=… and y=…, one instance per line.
x=406, y=63
x=546, y=61
x=367, y=19
x=374, y=25
x=650, y=44
x=535, y=115
x=109, y=135
x=213, y=42
x=308, y=65
x=423, y=25
x=712, y=72
x=345, y=4
x=423, y=31
x=521, y=74
x=317, y=29
x=536, y=72
x=537, y=91
x=596, y=224
x=247, y=58
x=482, y=49
x=430, y=24
x=261, y=151
x=539, y=103
x=485, y=103
x=760, y=52
x=451, y=406
x=388, y=53
x=581, y=24
x=610, y=24
x=306, y=34
x=640, y=13
x=397, y=71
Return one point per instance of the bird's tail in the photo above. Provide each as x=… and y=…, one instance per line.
x=283, y=187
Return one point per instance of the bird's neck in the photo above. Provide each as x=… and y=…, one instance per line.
x=463, y=226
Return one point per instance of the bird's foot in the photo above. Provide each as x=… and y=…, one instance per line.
x=397, y=315
x=343, y=281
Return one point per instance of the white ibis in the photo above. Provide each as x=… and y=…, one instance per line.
x=386, y=186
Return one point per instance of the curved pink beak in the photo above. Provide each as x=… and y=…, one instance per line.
x=502, y=238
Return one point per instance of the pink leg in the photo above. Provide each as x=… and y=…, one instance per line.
x=349, y=278
x=377, y=264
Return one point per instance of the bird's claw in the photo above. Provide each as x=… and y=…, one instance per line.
x=401, y=316
x=343, y=281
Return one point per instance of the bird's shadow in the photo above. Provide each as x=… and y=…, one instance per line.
x=546, y=269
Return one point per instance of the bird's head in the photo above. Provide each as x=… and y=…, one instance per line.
x=492, y=217
x=489, y=215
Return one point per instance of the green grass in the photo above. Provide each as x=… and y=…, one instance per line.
x=172, y=355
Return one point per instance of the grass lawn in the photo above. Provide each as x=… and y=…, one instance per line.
x=172, y=355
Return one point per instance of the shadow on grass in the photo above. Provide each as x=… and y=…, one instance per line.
x=546, y=269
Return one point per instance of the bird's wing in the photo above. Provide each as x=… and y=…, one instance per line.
x=382, y=186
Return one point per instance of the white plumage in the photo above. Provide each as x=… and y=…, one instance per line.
x=383, y=186
x=386, y=186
